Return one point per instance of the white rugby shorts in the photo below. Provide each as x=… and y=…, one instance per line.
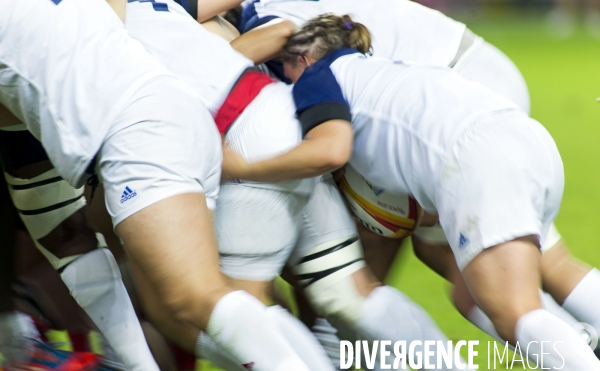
x=435, y=236
x=256, y=229
x=258, y=223
x=167, y=145
x=502, y=179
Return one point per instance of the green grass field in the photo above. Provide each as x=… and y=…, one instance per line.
x=564, y=80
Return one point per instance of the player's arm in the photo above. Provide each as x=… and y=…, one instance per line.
x=264, y=42
x=119, y=6
x=210, y=8
x=325, y=148
x=221, y=27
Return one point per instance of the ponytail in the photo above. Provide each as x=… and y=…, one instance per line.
x=358, y=37
x=326, y=33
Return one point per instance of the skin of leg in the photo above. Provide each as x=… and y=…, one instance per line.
x=440, y=259
x=173, y=242
x=380, y=252
x=259, y=289
x=504, y=281
x=182, y=333
x=561, y=272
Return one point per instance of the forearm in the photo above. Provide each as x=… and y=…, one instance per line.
x=265, y=42
x=299, y=163
x=325, y=148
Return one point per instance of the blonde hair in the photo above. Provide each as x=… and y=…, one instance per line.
x=324, y=34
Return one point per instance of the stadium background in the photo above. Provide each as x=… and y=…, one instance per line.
x=563, y=75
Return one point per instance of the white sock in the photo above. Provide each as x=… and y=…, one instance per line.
x=301, y=339
x=563, y=348
x=94, y=280
x=584, y=301
x=16, y=324
x=326, y=334
x=387, y=314
x=483, y=322
x=15, y=327
x=240, y=325
x=295, y=333
x=207, y=349
x=552, y=306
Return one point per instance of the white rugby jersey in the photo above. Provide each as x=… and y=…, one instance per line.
x=67, y=68
x=206, y=62
x=400, y=29
x=210, y=66
x=405, y=117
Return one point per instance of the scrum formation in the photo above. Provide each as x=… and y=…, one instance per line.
x=230, y=153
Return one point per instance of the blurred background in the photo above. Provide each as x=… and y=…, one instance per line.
x=561, y=18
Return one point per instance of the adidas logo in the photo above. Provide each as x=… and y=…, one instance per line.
x=128, y=194
x=463, y=241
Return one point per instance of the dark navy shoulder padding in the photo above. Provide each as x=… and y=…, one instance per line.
x=318, y=84
x=248, y=12
x=276, y=67
x=250, y=19
x=190, y=6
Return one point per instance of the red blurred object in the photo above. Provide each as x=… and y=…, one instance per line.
x=39, y=356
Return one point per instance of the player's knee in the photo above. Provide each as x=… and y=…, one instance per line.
x=462, y=298
x=506, y=318
x=326, y=275
x=186, y=302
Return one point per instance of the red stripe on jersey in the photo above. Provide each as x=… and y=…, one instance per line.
x=243, y=93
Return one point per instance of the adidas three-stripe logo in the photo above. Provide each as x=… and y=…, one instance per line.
x=128, y=194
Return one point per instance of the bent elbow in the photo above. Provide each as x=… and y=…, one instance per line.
x=337, y=157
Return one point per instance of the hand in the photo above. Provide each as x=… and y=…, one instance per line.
x=234, y=165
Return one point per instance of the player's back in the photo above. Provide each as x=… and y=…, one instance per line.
x=67, y=69
x=400, y=29
x=206, y=62
x=406, y=118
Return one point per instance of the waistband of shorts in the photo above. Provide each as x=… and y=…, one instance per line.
x=467, y=41
x=244, y=91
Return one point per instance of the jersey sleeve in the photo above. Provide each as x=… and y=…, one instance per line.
x=318, y=97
